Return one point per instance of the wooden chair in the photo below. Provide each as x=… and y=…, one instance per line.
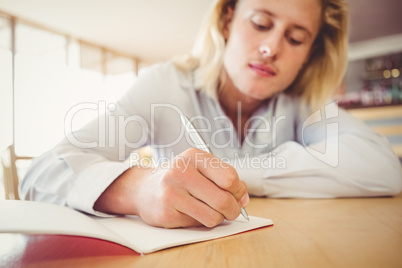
x=10, y=173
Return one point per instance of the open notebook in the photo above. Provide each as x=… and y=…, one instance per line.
x=130, y=231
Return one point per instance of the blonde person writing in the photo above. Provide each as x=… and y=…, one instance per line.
x=259, y=72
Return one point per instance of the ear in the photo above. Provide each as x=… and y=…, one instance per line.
x=228, y=22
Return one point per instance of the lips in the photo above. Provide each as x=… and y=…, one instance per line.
x=262, y=69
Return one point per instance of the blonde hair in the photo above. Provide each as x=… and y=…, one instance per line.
x=315, y=83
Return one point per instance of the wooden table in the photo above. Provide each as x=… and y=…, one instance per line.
x=364, y=232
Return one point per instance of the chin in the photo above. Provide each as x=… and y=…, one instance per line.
x=257, y=95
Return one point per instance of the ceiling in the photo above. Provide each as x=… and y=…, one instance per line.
x=156, y=30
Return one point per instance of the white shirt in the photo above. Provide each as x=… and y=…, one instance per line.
x=330, y=154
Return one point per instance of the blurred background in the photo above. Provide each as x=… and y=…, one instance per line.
x=55, y=54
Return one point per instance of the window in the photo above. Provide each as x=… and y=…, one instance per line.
x=40, y=79
x=52, y=73
x=6, y=77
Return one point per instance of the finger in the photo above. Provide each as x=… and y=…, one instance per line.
x=221, y=173
x=200, y=212
x=181, y=220
x=246, y=198
x=209, y=193
x=173, y=208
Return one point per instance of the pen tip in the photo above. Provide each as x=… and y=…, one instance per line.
x=244, y=213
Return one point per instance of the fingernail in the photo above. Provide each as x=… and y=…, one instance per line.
x=244, y=200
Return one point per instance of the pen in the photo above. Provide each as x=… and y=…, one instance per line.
x=202, y=145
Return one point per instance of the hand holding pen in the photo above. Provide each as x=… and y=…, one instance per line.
x=185, y=191
x=201, y=144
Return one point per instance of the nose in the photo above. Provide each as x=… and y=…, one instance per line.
x=270, y=47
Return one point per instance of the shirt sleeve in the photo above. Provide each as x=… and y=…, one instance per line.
x=70, y=178
x=334, y=155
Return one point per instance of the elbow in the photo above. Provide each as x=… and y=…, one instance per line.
x=44, y=182
x=389, y=173
x=26, y=187
x=386, y=181
x=382, y=179
x=377, y=175
x=391, y=176
x=395, y=182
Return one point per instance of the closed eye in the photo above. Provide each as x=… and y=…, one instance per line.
x=261, y=27
x=294, y=42
x=261, y=21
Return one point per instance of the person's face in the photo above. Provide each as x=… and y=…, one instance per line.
x=287, y=27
